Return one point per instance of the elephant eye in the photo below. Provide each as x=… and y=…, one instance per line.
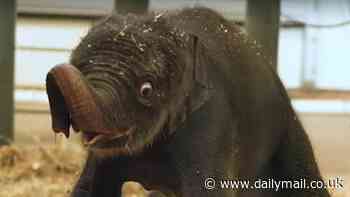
x=146, y=90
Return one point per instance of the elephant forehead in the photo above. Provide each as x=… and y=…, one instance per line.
x=130, y=52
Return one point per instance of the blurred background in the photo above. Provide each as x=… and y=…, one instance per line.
x=309, y=40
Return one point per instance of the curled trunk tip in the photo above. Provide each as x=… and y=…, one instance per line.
x=72, y=101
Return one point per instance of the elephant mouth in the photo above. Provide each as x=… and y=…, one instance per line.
x=105, y=140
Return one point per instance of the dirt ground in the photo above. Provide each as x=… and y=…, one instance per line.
x=51, y=170
x=45, y=166
x=39, y=170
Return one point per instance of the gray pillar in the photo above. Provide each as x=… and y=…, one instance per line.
x=262, y=24
x=7, y=55
x=131, y=6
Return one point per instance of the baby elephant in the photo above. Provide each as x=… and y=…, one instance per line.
x=171, y=100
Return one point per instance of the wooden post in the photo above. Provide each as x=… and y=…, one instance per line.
x=7, y=56
x=262, y=24
x=131, y=6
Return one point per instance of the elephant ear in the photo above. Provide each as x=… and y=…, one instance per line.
x=197, y=87
x=202, y=88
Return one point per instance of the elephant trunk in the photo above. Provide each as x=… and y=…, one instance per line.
x=73, y=101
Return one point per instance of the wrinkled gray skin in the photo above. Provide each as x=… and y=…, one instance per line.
x=217, y=109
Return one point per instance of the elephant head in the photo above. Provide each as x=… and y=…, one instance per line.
x=128, y=84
